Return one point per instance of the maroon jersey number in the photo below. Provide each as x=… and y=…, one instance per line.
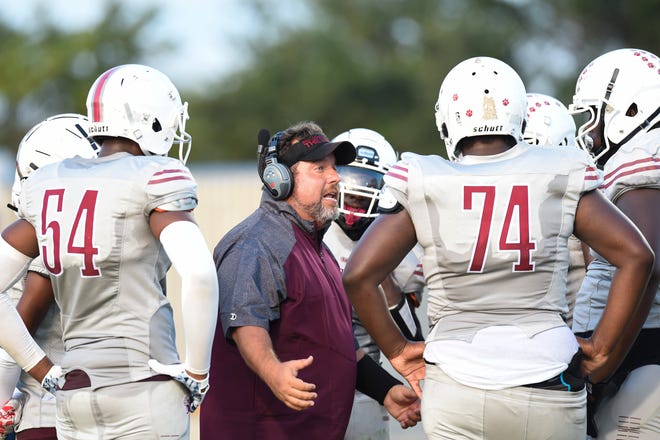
x=84, y=219
x=518, y=202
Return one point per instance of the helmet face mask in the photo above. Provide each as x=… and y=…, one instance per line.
x=141, y=104
x=360, y=191
x=52, y=140
x=548, y=122
x=479, y=96
x=620, y=93
x=362, y=179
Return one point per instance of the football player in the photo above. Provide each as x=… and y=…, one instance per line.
x=619, y=95
x=494, y=221
x=52, y=140
x=359, y=192
x=108, y=229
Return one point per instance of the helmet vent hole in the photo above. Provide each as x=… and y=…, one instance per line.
x=156, y=127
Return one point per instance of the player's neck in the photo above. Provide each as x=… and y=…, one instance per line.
x=487, y=145
x=119, y=145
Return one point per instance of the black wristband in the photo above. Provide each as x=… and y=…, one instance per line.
x=373, y=380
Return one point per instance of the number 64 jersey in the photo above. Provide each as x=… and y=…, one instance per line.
x=494, y=231
x=107, y=268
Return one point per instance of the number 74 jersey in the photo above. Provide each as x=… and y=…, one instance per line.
x=494, y=228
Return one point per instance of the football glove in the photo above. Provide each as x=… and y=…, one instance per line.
x=197, y=389
x=51, y=380
x=10, y=416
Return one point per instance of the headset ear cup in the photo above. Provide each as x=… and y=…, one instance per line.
x=278, y=180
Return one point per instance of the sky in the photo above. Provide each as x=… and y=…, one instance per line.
x=203, y=31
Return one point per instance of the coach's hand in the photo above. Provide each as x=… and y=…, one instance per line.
x=197, y=388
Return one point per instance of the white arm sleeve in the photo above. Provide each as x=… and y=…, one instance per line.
x=185, y=246
x=14, y=265
x=14, y=336
x=9, y=374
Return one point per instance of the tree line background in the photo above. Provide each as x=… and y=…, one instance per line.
x=367, y=63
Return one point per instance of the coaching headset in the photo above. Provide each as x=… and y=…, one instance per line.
x=277, y=177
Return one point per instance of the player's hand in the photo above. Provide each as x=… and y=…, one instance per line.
x=410, y=364
x=287, y=387
x=404, y=405
x=595, y=366
x=51, y=380
x=197, y=388
x=10, y=416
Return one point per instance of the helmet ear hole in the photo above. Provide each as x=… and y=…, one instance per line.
x=632, y=110
x=156, y=127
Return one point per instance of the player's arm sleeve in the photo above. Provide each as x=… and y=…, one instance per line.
x=185, y=246
x=9, y=374
x=14, y=265
x=15, y=338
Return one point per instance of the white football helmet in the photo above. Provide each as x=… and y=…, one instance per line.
x=479, y=96
x=362, y=179
x=52, y=140
x=549, y=124
x=139, y=103
x=621, y=90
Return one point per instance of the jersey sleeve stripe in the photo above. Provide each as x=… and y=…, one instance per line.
x=402, y=175
x=630, y=164
x=168, y=179
x=177, y=170
x=397, y=176
x=610, y=182
x=591, y=173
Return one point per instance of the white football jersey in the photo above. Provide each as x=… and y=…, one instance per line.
x=494, y=231
x=635, y=165
x=107, y=268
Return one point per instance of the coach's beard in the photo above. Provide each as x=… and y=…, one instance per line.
x=323, y=215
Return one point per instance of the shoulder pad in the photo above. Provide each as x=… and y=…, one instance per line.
x=387, y=203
